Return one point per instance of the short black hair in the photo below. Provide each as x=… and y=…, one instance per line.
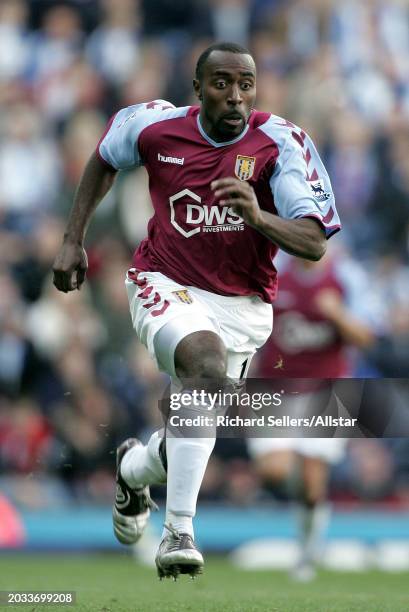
x=222, y=46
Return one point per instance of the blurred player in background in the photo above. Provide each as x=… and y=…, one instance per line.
x=229, y=185
x=320, y=313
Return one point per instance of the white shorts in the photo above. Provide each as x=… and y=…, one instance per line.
x=330, y=450
x=243, y=323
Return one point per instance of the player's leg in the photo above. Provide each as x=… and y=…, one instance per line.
x=200, y=365
x=199, y=361
x=280, y=463
x=275, y=463
x=138, y=466
x=145, y=464
x=208, y=361
x=313, y=513
x=155, y=303
x=148, y=464
x=133, y=503
x=276, y=466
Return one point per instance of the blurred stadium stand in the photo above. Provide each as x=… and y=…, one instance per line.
x=73, y=379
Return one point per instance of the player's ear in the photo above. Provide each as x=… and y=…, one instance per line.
x=197, y=88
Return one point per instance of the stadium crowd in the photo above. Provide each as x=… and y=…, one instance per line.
x=73, y=379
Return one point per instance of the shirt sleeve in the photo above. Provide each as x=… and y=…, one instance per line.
x=118, y=147
x=301, y=186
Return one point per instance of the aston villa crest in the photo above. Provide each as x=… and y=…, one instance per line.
x=244, y=168
x=184, y=296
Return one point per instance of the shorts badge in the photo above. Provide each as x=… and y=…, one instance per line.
x=184, y=296
x=244, y=168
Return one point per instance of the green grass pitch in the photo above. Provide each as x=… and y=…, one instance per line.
x=115, y=583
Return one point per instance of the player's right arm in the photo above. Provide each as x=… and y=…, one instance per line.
x=70, y=265
x=118, y=149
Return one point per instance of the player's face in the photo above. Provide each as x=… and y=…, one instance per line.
x=227, y=90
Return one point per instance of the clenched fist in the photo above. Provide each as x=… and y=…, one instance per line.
x=70, y=267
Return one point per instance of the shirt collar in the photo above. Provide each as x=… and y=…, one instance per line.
x=225, y=143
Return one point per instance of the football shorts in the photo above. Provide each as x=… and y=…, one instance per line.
x=330, y=450
x=244, y=323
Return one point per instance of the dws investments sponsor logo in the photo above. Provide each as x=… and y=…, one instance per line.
x=191, y=217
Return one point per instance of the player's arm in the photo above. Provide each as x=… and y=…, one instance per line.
x=356, y=313
x=301, y=237
x=303, y=198
x=71, y=263
x=351, y=329
x=118, y=149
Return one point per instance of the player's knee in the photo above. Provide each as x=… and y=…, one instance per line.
x=315, y=492
x=204, y=365
x=274, y=468
x=314, y=497
x=201, y=355
x=315, y=479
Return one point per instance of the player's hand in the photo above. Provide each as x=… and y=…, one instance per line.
x=239, y=196
x=70, y=267
x=329, y=303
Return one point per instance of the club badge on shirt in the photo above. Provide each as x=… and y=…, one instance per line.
x=184, y=296
x=244, y=168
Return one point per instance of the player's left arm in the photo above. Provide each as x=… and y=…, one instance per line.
x=302, y=194
x=356, y=312
x=301, y=237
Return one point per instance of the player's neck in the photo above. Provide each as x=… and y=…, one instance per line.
x=213, y=134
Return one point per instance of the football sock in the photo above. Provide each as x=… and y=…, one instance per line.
x=142, y=465
x=313, y=522
x=187, y=461
x=183, y=524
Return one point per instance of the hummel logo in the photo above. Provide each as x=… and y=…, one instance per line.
x=171, y=160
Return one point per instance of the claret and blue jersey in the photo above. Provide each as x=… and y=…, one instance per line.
x=193, y=239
